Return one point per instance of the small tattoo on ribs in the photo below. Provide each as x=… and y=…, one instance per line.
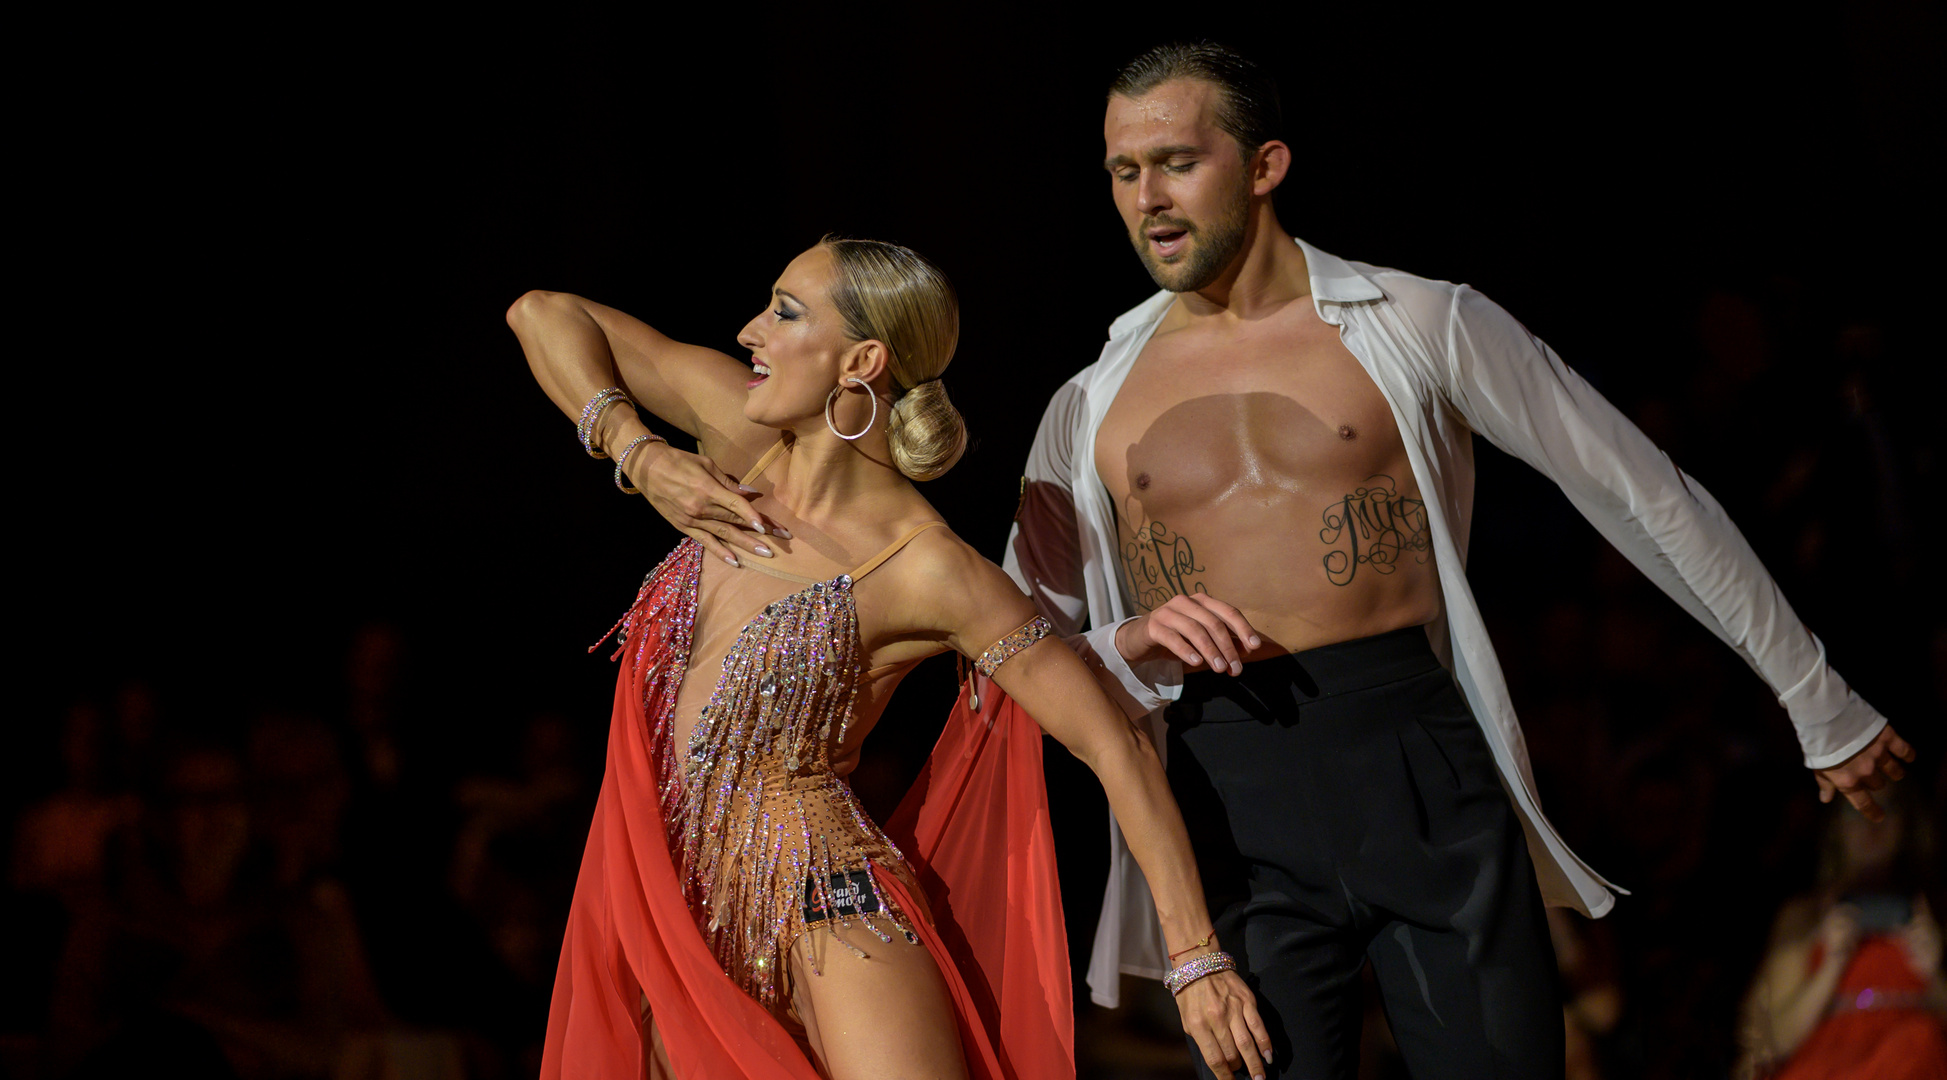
x=1375, y=527
x=1160, y=565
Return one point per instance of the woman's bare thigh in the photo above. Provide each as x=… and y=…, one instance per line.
x=887, y=1015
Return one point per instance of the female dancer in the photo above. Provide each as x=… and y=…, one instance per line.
x=748, y=686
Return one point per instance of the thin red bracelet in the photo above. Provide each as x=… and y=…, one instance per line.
x=1207, y=938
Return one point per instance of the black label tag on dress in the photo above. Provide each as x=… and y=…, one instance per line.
x=850, y=894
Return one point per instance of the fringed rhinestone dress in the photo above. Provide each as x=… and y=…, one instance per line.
x=724, y=833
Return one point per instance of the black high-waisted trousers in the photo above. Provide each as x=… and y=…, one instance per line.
x=1344, y=806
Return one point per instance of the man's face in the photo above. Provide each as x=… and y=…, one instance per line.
x=1181, y=183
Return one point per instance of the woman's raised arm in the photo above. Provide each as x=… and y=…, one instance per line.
x=577, y=348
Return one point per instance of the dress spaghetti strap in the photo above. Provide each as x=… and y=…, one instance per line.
x=880, y=672
x=865, y=568
x=764, y=462
x=785, y=574
x=893, y=549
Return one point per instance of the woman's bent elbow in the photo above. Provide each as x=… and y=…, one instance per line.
x=531, y=304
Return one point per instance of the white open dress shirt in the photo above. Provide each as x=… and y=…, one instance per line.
x=1451, y=363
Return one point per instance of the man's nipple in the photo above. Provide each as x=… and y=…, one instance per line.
x=1142, y=481
x=1346, y=432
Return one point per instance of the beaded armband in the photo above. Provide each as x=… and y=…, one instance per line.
x=1036, y=629
x=1192, y=970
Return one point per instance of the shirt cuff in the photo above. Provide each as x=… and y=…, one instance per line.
x=1833, y=722
x=1145, y=687
x=1857, y=725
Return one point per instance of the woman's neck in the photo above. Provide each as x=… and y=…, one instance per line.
x=821, y=475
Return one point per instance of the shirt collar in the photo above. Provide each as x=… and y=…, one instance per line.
x=1334, y=281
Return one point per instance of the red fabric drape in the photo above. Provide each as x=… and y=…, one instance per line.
x=975, y=828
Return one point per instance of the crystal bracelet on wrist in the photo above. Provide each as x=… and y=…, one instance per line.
x=1192, y=970
x=622, y=459
x=591, y=414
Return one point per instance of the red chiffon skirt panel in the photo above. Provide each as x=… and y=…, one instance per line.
x=975, y=831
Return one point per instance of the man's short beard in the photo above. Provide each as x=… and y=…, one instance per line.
x=1212, y=253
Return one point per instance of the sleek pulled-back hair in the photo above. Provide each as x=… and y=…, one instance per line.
x=893, y=295
x=1249, y=110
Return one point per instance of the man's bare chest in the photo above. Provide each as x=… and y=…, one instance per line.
x=1200, y=422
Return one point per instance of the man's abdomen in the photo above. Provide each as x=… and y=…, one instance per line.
x=1308, y=567
x=1306, y=517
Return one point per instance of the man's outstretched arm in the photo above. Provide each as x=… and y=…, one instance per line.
x=1512, y=389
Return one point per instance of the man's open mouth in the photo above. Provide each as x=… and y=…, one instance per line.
x=1167, y=242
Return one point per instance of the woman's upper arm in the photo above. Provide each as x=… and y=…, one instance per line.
x=699, y=390
x=1046, y=677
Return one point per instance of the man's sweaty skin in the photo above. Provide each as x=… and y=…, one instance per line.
x=1256, y=462
x=1249, y=455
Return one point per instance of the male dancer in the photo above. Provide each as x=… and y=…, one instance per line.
x=1291, y=432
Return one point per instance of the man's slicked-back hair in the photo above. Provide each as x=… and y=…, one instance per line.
x=1250, y=111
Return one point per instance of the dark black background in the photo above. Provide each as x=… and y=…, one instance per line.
x=267, y=396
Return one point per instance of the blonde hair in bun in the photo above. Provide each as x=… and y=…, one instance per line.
x=891, y=294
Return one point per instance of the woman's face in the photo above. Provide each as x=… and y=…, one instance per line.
x=795, y=345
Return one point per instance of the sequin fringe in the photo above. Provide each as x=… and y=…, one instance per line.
x=734, y=799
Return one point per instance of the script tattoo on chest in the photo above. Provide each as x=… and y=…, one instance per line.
x=1160, y=565
x=1375, y=527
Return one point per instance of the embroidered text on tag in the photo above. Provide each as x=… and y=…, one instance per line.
x=850, y=893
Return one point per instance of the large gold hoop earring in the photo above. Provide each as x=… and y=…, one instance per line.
x=833, y=396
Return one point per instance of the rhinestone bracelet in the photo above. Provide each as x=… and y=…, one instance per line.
x=591, y=414
x=1192, y=970
x=623, y=458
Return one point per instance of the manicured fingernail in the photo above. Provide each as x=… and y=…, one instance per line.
x=764, y=551
x=747, y=489
x=732, y=560
x=1256, y=641
x=781, y=532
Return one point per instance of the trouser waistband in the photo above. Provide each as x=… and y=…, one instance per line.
x=1340, y=668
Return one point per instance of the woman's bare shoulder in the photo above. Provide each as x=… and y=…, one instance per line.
x=950, y=581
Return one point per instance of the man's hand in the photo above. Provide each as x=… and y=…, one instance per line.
x=702, y=501
x=1197, y=629
x=1220, y=1016
x=1871, y=769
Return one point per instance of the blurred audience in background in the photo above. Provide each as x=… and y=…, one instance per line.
x=1850, y=985
x=320, y=887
